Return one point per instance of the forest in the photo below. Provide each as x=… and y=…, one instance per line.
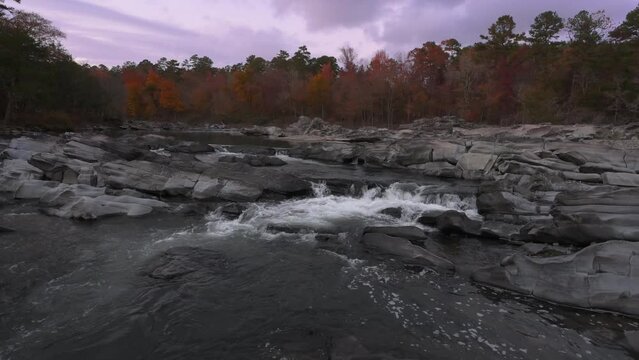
x=580, y=69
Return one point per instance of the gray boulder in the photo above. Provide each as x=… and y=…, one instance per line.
x=34, y=189
x=86, y=208
x=139, y=175
x=332, y=151
x=64, y=194
x=440, y=169
x=76, y=150
x=253, y=160
x=60, y=168
x=602, y=276
x=596, y=215
x=620, y=179
x=597, y=168
x=14, y=172
x=404, y=250
x=225, y=189
x=411, y=233
x=457, y=222
x=475, y=165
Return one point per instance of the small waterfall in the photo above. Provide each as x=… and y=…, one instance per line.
x=325, y=212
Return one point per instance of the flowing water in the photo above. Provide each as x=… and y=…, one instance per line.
x=170, y=286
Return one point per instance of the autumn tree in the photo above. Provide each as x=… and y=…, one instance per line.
x=319, y=88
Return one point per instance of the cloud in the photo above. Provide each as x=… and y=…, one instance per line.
x=101, y=35
x=326, y=14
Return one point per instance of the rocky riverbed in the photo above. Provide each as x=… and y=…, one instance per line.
x=438, y=239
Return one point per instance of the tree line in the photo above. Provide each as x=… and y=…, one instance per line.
x=579, y=69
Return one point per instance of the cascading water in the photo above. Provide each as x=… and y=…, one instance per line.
x=327, y=213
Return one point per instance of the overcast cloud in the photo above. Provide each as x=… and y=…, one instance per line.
x=113, y=31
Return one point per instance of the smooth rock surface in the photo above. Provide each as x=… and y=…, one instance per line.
x=602, y=276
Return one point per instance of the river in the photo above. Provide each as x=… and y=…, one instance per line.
x=202, y=286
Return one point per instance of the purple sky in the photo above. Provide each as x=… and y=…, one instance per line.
x=113, y=31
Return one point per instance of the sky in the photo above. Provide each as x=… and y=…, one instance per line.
x=111, y=32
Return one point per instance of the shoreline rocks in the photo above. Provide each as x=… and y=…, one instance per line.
x=602, y=276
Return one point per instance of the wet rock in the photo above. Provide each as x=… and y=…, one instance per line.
x=225, y=189
x=76, y=150
x=233, y=210
x=180, y=183
x=602, y=276
x=60, y=168
x=475, y=166
x=206, y=188
x=415, y=152
x=441, y=169
x=14, y=172
x=4, y=230
x=457, y=222
x=533, y=159
x=89, y=208
x=189, y=147
x=591, y=178
x=139, y=175
x=233, y=190
x=244, y=149
x=263, y=131
x=598, y=168
x=127, y=148
x=327, y=238
x=326, y=151
x=544, y=250
x=289, y=228
x=404, y=250
x=620, y=179
x=395, y=212
x=595, y=215
x=181, y=261
x=430, y=218
x=500, y=230
x=411, y=233
x=632, y=341
x=581, y=154
x=502, y=202
x=86, y=208
x=64, y=194
x=34, y=189
x=254, y=160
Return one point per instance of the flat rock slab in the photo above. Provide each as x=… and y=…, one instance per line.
x=407, y=232
x=602, y=276
x=596, y=215
x=620, y=179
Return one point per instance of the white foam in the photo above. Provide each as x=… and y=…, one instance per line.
x=330, y=213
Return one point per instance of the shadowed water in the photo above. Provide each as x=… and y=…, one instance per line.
x=172, y=287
